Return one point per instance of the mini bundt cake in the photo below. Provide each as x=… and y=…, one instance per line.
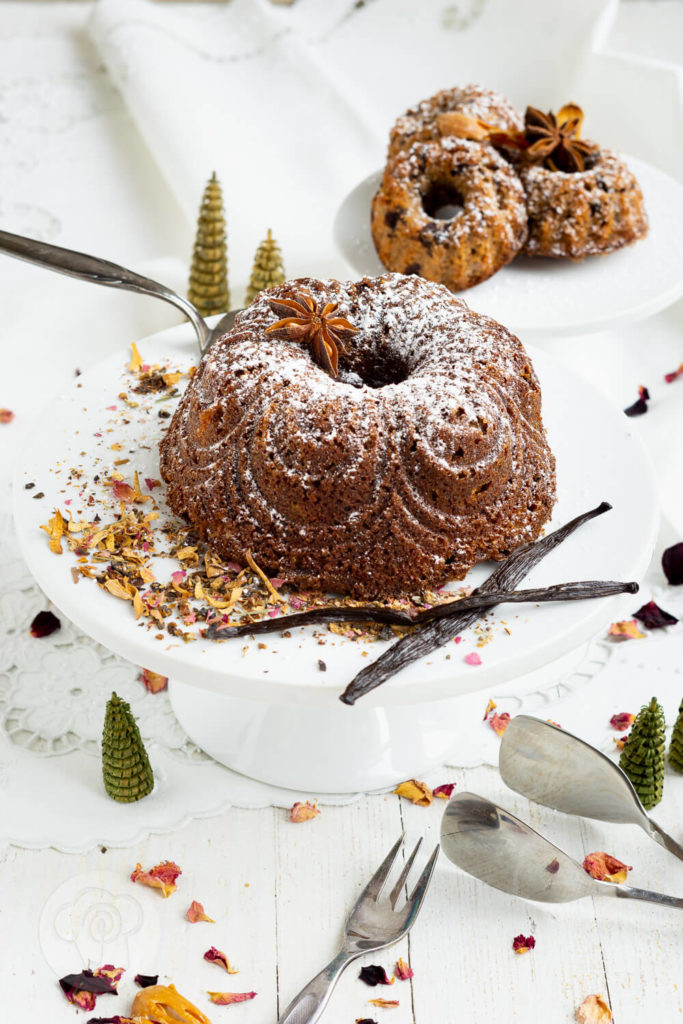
x=488, y=226
x=581, y=200
x=425, y=454
x=432, y=119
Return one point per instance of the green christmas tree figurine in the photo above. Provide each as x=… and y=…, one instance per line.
x=642, y=758
x=126, y=770
x=209, y=271
x=676, y=746
x=268, y=268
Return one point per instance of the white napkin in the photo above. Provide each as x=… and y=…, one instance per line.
x=291, y=106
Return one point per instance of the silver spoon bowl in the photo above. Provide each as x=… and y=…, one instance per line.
x=493, y=845
x=91, y=268
x=555, y=768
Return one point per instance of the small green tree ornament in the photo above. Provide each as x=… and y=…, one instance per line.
x=126, y=770
x=643, y=756
x=268, y=268
x=676, y=745
x=208, y=289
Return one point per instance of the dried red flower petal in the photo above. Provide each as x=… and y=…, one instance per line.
x=640, y=405
x=303, y=812
x=112, y=1020
x=145, y=980
x=654, y=617
x=621, y=721
x=84, y=988
x=626, y=630
x=226, y=998
x=417, y=792
x=605, y=867
x=674, y=375
x=122, y=491
x=153, y=682
x=162, y=876
x=402, y=970
x=365, y=1020
x=444, y=791
x=672, y=564
x=384, y=1002
x=217, y=956
x=195, y=913
x=499, y=723
x=553, y=867
x=6, y=415
x=523, y=943
x=373, y=974
x=44, y=624
x=593, y=1010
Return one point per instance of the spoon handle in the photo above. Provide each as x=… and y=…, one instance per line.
x=665, y=840
x=627, y=892
x=91, y=268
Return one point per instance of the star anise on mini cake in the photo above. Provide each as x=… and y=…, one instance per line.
x=553, y=139
x=304, y=321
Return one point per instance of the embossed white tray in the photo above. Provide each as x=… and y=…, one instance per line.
x=537, y=297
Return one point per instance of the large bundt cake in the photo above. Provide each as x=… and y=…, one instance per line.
x=424, y=455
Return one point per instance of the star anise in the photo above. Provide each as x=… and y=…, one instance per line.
x=304, y=321
x=553, y=140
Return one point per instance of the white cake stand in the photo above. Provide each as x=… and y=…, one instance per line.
x=541, y=297
x=271, y=713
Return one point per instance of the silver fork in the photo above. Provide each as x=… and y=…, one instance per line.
x=373, y=924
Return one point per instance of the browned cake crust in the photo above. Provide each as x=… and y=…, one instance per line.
x=583, y=213
x=421, y=122
x=426, y=455
x=485, y=234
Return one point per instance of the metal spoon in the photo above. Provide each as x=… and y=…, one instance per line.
x=91, y=268
x=555, y=768
x=495, y=846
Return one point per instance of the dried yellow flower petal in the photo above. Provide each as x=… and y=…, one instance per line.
x=136, y=359
x=593, y=1010
x=417, y=792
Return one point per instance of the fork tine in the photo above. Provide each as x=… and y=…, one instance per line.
x=398, y=888
x=418, y=893
x=376, y=883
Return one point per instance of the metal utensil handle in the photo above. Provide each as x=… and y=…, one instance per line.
x=307, y=1006
x=627, y=892
x=665, y=840
x=91, y=268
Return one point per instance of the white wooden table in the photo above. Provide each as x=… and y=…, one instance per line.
x=73, y=169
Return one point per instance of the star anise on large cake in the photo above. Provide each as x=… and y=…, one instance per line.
x=317, y=327
x=553, y=139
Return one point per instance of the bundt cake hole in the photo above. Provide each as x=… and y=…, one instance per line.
x=442, y=201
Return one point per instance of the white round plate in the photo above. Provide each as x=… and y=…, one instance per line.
x=597, y=457
x=535, y=297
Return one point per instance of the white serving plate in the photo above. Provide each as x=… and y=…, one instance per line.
x=537, y=297
x=272, y=713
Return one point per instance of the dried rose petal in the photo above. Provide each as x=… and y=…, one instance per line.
x=553, y=867
x=145, y=980
x=640, y=404
x=593, y=1010
x=123, y=491
x=625, y=630
x=620, y=743
x=417, y=792
x=654, y=617
x=499, y=723
x=472, y=659
x=84, y=988
x=365, y=1020
x=6, y=415
x=162, y=876
x=303, y=812
x=112, y=1020
x=491, y=706
x=672, y=564
x=163, y=1004
x=217, y=956
x=444, y=791
x=523, y=943
x=551, y=722
x=403, y=971
x=153, y=682
x=674, y=375
x=605, y=867
x=373, y=974
x=44, y=624
x=226, y=998
x=195, y=912
x=383, y=1002
x=621, y=721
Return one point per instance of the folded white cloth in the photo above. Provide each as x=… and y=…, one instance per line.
x=291, y=106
